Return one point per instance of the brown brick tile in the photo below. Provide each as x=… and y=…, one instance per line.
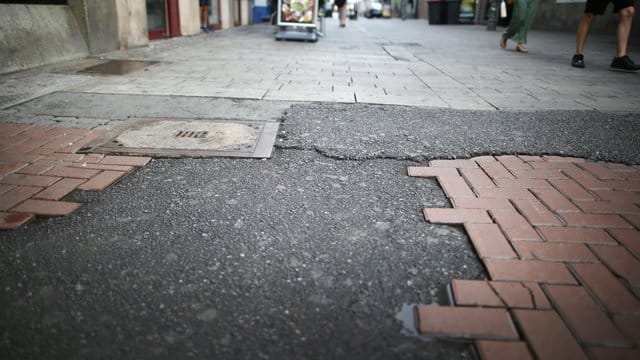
x=29, y=180
x=530, y=158
x=529, y=270
x=58, y=143
x=600, y=171
x=553, y=199
x=523, y=183
x=489, y=241
x=503, y=350
x=474, y=293
x=586, y=180
x=576, y=234
x=59, y=190
x=65, y=157
x=629, y=238
x=497, y=171
x=16, y=195
x=125, y=160
x=10, y=221
x=121, y=168
x=73, y=172
x=81, y=142
x=618, y=167
x=29, y=146
x=620, y=261
x=630, y=326
x=552, y=165
x=633, y=219
x=13, y=157
x=539, y=174
x=102, y=181
x=8, y=168
x=92, y=158
x=47, y=208
x=35, y=169
x=567, y=159
x=428, y=171
x=571, y=189
x=481, y=203
x=456, y=216
x=458, y=163
x=512, y=162
x=606, y=287
x=548, y=336
x=455, y=186
x=595, y=220
x=631, y=175
x=514, y=225
x=518, y=295
x=477, y=178
x=10, y=129
x=5, y=188
x=618, y=196
x=485, y=159
x=590, y=324
x=624, y=185
x=466, y=322
x=546, y=251
x=608, y=207
x=536, y=213
x=505, y=193
x=602, y=353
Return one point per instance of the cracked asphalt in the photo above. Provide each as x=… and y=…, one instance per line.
x=310, y=254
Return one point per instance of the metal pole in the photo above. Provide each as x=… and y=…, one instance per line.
x=403, y=9
x=492, y=21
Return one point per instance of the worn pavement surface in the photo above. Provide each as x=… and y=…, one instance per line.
x=310, y=254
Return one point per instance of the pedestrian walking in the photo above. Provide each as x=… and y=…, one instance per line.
x=204, y=15
x=523, y=13
x=342, y=11
x=592, y=9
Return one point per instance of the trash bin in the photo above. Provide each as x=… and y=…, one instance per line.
x=437, y=12
x=453, y=11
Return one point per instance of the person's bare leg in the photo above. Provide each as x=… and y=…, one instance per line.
x=583, y=30
x=624, y=28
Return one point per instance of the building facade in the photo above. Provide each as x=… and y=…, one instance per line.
x=39, y=32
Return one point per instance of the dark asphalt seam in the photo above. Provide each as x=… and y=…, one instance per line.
x=326, y=154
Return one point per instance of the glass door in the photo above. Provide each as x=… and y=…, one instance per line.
x=214, y=14
x=156, y=19
x=236, y=13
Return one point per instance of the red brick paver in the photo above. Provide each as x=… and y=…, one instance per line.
x=503, y=350
x=39, y=166
x=471, y=322
x=562, y=251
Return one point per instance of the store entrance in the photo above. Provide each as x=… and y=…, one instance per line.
x=163, y=19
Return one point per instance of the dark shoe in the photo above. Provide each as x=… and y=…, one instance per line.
x=578, y=61
x=624, y=63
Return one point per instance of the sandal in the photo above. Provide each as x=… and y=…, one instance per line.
x=521, y=48
x=503, y=41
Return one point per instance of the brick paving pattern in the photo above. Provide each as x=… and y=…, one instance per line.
x=39, y=166
x=560, y=239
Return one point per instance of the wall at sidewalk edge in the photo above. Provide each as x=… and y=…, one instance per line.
x=35, y=35
x=566, y=16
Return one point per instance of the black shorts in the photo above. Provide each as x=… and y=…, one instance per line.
x=205, y=2
x=599, y=6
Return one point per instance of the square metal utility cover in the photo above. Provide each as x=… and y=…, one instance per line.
x=118, y=67
x=189, y=138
